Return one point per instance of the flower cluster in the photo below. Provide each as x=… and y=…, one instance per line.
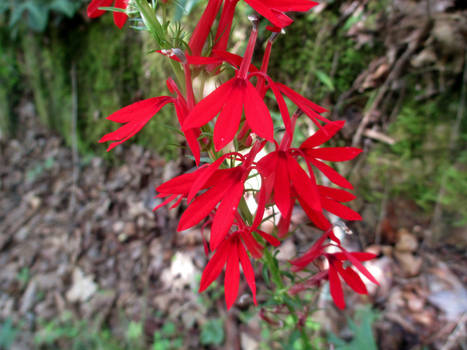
x=233, y=125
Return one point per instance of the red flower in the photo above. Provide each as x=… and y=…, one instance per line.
x=181, y=108
x=230, y=99
x=225, y=186
x=201, y=32
x=274, y=10
x=349, y=275
x=314, y=154
x=134, y=116
x=336, y=268
x=232, y=252
x=283, y=175
x=178, y=188
x=119, y=17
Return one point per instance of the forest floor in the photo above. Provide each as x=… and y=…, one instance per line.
x=81, y=252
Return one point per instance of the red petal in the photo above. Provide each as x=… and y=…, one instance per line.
x=336, y=288
x=262, y=197
x=334, y=154
x=336, y=194
x=317, y=217
x=232, y=274
x=278, y=19
x=257, y=113
x=233, y=59
x=323, y=134
x=225, y=214
x=282, y=186
x=214, y=267
x=355, y=262
x=299, y=100
x=269, y=238
x=291, y=5
x=331, y=174
x=125, y=132
x=268, y=164
x=280, y=102
x=351, y=278
x=140, y=110
x=340, y=210
x=120, y=17
x=192, y=140
x=360, y=256
x=203, y=27
x=168, y=200
x=229, y=119
x=180, y=184
x=201, y=207
x=255, y=249
x=209, y=106
x=248, y=271
x=203, y=177
x=315, y=250
x=305, y=186
x=93, y=8
x=284, y=224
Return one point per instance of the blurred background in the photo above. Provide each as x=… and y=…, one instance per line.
x=86, y=264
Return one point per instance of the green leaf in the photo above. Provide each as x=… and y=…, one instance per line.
x=112, y=9
x=325, y=79
x=7, y=334
x=66, y=7
x=183, y=7
x=16, y=14
x=134, y=331
x=363, y=338
x=168, y=329
x=212, y=332
x=37, y=16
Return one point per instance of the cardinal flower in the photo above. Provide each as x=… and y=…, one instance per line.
x=232, y=253
x=135, y=117
x=119, y=17
x=284, y=177
x=349, y=275
x=274, y=10
x=229, y=101
x=336, y=268
x=314, y=154
x=224, y=187
x=178, y=188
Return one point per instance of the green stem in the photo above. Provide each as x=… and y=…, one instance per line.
x=273, y=267
x=157, y=31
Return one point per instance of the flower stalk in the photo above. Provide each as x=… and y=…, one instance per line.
x=233, y=126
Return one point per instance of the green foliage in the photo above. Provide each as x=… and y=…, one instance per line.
x=424, y=157
x=166, y=338
x=212, y=332
x=24, y=276
x=361, y=328
x=311, y=48
x=37, y=12
x=9, y=82
x=8, y=333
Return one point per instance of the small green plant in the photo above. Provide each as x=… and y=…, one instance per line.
x=166, y=338
x=361, y=327
x=8, y=333
x=212, y=332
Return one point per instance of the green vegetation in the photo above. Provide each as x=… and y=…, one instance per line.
x=362, y=332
